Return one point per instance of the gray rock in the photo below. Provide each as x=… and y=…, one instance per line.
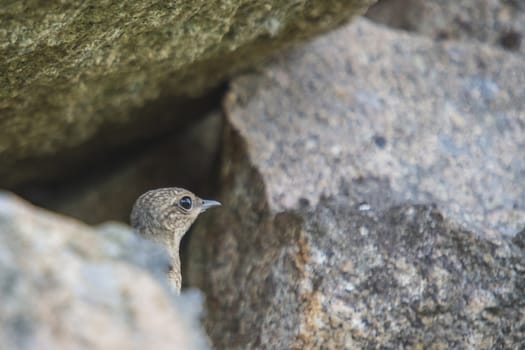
x=497, y=22
x=122, y=244
x=335, y=277
x=372, y=183
x=441, y=123
x=65, y=286
x=78, y=78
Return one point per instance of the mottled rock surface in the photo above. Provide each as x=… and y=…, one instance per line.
x=373, y=181
x=496, y=22
x=82, y=76
x=66, y=286
x=439, y=122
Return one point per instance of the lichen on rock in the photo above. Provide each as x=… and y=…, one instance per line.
x=71, y=72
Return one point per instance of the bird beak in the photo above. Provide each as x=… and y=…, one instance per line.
x=208, y=203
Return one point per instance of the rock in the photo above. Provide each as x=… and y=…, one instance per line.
x=123, y=245
x=188, y=159
x=65, y=286
x=79, y=79
x=372, y=184
x=498, y=22
x=439, y=122
x=335, y=277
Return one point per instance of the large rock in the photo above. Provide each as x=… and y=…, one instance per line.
x=498, y=22
x=79, y=77
x=441, y=123
x=372, y=185
x=66, y=286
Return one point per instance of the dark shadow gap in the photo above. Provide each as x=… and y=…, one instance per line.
x=105, y=183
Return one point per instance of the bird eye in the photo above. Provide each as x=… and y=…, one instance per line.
x=185, y=202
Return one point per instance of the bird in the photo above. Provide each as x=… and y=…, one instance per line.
x=164, y=215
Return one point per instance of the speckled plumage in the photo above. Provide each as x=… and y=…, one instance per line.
x=161, y=215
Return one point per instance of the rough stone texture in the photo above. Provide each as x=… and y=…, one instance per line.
x=440, y=123
x=372, y=183
x=498, y=22
x=135, y=250
x=74, y=71
x=65, y=286
x=188, y=159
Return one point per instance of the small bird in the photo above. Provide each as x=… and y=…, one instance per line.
x=165, y=215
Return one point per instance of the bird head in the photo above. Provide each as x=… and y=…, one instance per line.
x=166, y=214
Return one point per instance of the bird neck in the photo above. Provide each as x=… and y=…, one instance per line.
x=174, y=275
